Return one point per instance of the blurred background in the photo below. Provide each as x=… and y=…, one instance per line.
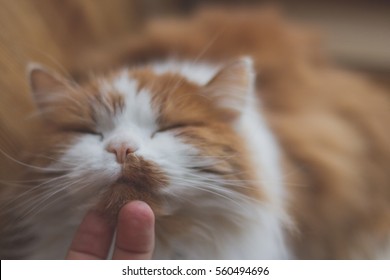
x=58, y=32
x=356, y=33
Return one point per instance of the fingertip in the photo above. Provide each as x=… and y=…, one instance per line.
x=135, y=232
x=137, y=212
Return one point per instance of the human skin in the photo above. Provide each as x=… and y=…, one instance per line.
x=134, y=235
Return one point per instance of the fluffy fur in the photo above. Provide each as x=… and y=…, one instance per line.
x=285, y=157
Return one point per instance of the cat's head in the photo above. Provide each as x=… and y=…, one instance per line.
x=136, y=134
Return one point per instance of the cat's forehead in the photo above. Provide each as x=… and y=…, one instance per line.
x=137, y=101
x=147, y=97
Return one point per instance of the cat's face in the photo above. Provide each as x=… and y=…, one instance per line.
x=135, y=134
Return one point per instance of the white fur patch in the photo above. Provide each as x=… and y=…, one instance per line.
x=199, y=73
x=264, y=151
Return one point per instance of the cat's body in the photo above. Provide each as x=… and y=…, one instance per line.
x=290, y=162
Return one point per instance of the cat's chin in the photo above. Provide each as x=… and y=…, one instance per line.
x=122, y=192
x=140, y=180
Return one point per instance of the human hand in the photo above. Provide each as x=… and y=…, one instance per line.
x=134, y=238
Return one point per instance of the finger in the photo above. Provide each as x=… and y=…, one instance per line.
x=92, y=240
x=135, y=232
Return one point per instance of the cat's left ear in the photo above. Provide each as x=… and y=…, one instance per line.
x=230, y=88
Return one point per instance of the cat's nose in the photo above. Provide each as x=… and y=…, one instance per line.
x=121, y=150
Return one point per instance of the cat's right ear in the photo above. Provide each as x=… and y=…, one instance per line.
x=45, y=85
x=54, y=97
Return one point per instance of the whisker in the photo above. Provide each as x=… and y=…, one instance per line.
x=215, y=193
x=42, y=186
x=46, y=196
x=213, y=188
x=45, y=169
x=53, y=197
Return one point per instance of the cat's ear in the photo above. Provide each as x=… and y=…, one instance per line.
x=54, y=97
x=231, y=86
x=45, y=84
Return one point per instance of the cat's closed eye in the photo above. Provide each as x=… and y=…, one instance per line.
x=98, y=134
x=168, y=128
x=175, y=126
x=87, y=131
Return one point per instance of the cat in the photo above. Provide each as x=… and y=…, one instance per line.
x=275, y=155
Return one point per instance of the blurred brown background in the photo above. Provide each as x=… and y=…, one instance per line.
x=356, y=33
x=56, y=33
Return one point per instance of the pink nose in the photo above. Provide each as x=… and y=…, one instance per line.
x=121, y=151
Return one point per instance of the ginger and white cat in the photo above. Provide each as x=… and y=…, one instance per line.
x=272, y=156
